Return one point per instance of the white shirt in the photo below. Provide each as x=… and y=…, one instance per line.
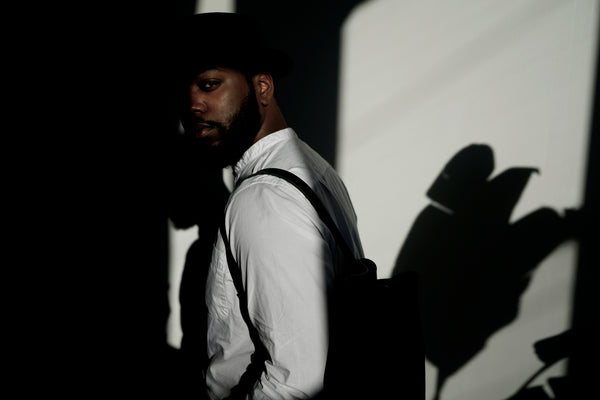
x=287, y=260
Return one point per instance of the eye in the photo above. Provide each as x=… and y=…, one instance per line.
x=209, y=85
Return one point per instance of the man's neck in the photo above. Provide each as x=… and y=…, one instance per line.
x=273, y=122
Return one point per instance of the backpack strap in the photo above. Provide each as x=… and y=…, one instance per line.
x=314, y=200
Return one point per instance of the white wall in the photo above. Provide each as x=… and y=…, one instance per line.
x=420, y=80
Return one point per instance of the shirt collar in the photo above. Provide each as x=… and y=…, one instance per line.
x=244, y=166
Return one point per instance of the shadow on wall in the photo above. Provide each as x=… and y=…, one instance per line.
x=310, y=33
x=198, y=194
x=473, y=264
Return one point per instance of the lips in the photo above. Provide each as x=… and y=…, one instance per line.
x=203, y=130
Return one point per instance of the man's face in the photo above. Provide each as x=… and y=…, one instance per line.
x=222, y=116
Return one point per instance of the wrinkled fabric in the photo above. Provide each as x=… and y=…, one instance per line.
x=287, y=259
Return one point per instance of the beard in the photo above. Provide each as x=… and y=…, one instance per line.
x=234, y=139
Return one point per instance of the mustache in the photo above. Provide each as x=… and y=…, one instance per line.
x=200, y=120
x=191, y=122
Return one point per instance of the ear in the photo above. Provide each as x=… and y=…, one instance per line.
x=264, y=87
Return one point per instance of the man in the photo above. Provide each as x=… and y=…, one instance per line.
x=285, y=253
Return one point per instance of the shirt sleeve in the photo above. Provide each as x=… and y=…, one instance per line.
x=282, y=249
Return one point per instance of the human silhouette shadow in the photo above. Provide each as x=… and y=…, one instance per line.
x=197, y=200
x=473, y=263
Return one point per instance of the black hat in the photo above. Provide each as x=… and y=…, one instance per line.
x=228, y=40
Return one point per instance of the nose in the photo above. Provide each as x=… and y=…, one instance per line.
x=197, y=101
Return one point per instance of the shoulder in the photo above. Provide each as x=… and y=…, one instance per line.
x=267, y=213
x=260, y=199
x=264, y=188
